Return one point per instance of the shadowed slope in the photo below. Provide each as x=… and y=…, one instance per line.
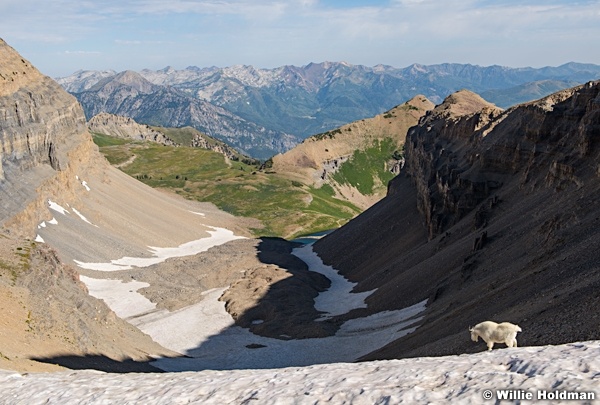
x=493, y=219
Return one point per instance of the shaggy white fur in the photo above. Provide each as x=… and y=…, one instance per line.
x=492, y=332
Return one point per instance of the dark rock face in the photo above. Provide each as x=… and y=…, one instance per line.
x=493, y=218
x=439, y=156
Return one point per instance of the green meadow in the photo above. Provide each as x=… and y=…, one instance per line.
x=286, y=208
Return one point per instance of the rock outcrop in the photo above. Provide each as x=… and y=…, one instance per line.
x=437, y=157
x=493, y=218
x=43, y=137
x=126, y=127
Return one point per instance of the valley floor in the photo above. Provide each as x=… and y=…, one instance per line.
x=206, y=335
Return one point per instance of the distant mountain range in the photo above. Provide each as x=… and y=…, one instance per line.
x=266, y=111
x=131, y=95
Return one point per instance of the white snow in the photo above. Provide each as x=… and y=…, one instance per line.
x=207, y=335
x=81, y=216
x=42, y=225
x=38, y=238
x=339, y=298
x=453, y=379
x=121, y=297
x=198, y=213
x=53, y=221
x=218, y=236
x=84, y=184
x=54, y=206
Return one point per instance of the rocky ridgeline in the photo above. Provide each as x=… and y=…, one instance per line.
x=493, y=217
x=44, y=148
x=466, y=148
x=37, y=118
x=435, y=158
x=126, y=127
x=129, y=94
x=200, y=141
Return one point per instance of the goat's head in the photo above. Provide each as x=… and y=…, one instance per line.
x=474, y=335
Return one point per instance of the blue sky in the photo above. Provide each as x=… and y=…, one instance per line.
x=62, y=36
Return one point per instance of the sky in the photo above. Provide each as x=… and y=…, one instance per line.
x=62, y=36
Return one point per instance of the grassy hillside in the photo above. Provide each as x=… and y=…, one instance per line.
x=354, y=160
x=366, y=170
x=286, y=208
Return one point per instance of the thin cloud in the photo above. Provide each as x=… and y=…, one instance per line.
x=270, y=33
x=82, y=52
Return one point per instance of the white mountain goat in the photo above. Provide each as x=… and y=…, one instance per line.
x=492, y=332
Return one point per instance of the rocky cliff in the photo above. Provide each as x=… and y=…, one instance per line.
x=43, y=140
x=126, y=127
x=46, y=311
x=493, y=218
x=60, y=201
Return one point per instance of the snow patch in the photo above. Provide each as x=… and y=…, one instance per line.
x=121, y=297
x=54, y=206
x=38, y=238
x=207, y=335
x=53, y=221
x=42, y=225
x=218, y=236
x=84, y=184
x=198, y=213
x=450, y=379
x=81, y=216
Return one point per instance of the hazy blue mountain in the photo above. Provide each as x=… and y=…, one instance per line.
x=321, y=96
x=129, y=94
x=526, y=92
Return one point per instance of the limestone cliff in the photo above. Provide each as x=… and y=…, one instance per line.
x=436, y=156
x=50, y=166
x=494, y=218
x=43, y=139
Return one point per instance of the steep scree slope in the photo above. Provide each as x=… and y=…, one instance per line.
x=495, y=217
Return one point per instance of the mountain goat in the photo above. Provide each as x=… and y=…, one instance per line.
x=492, y=332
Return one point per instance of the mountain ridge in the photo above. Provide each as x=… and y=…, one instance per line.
x=129, y=94
x=491, y=218
x=317, y=97
x=319, y=159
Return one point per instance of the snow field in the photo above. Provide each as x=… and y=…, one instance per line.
x=453, y=379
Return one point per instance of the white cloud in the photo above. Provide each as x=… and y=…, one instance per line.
x=269, y=33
